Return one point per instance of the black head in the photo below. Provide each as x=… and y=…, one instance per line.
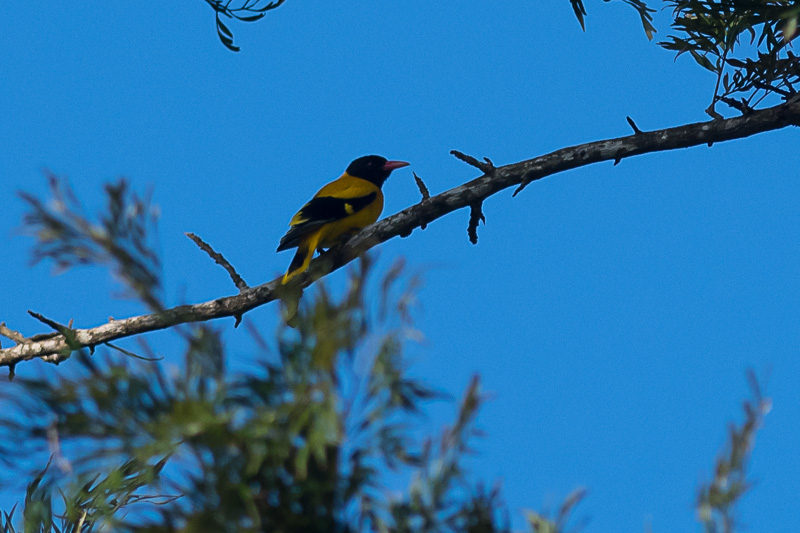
x=373, y=168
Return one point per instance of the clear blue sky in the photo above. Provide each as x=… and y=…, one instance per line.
x=611, y=311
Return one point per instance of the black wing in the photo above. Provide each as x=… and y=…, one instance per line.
x=320, y=211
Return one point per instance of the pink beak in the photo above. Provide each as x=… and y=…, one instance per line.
x=394, y=165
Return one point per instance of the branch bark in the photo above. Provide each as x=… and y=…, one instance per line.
x=56, y=348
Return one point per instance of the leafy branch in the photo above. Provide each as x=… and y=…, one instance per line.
x=713, y=31
x=717, y=499
x=242, y=10
x=744, y=43
x=122, y=237
x=300, y=442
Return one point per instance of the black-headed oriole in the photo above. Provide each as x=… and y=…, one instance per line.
x=338, y=210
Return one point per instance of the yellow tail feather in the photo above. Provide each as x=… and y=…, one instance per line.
x=301, y=260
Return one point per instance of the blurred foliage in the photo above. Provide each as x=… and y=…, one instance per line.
x=123, y=237
x=309, y=439
x=717, y=499
x=303, y=441
x=745, y=43
x=558, y=524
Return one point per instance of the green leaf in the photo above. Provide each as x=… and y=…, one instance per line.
x=790, y=29
x=580, y=12
x=703, y=61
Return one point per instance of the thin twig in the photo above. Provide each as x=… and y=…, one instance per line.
x=711, y=108
x=486, y=167
x=220, y=260
x=9, y=333
x=61, y=328
x=132, y=354
x=423, y=190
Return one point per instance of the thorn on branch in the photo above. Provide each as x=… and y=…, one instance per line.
x=238, y=321
x=9, y=333
x=486, y=167
x=617, y=160
x=636, y=130
x=475, y=217
x=69, y=334
x=220, y=260
x=12, y=371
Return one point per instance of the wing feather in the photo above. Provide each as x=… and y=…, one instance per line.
x=321, y=210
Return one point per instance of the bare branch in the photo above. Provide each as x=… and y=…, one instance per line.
x=717, y=130
x=56, y=348
x=220, y=260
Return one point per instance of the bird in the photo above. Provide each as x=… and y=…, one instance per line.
x=338, y=210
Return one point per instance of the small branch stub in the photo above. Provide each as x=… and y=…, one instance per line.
x=61, y=328
x=220, y=260
x=486, y=167
x=66, y=331
x=710, y=111
x=423, y=190
x=9, y=333
x=633, y=125
x=475, y=217
x=527, y=178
